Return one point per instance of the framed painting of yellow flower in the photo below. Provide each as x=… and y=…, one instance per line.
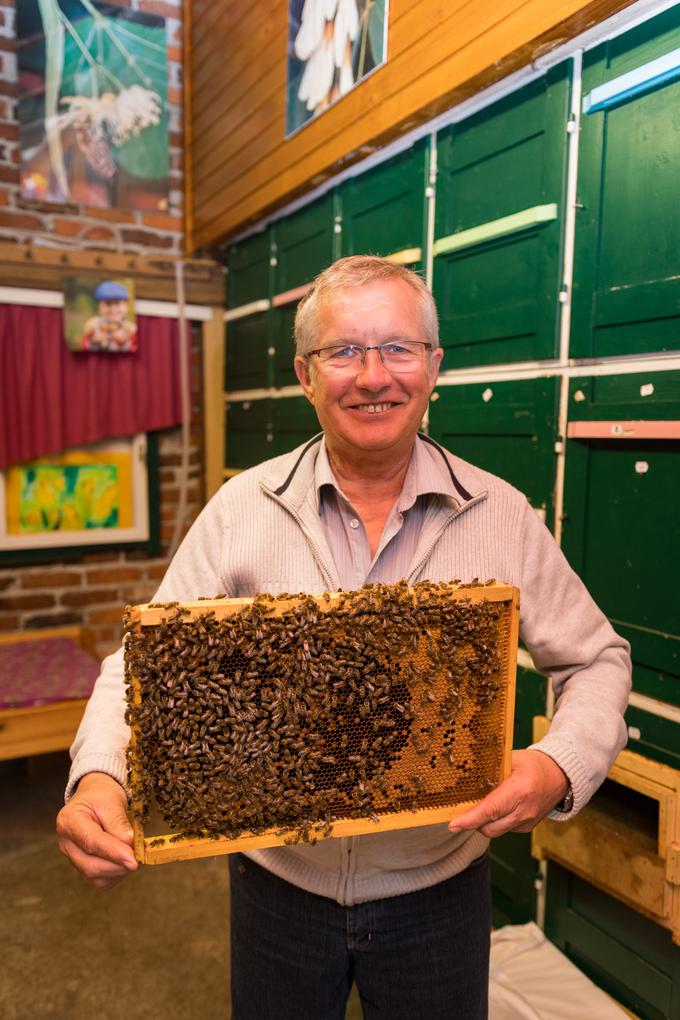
x=85, y=496
x=332, y=46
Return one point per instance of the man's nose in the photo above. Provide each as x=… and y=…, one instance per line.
x=373, y=374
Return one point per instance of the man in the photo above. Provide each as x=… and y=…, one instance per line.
x=405, y=914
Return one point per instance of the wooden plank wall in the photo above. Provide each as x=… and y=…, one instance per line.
x=240, y=165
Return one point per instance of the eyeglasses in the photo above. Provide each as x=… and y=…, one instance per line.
x=396, y=355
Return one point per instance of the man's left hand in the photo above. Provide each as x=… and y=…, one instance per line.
x=535, y=785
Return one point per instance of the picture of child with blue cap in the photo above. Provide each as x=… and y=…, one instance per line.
x=111, y=329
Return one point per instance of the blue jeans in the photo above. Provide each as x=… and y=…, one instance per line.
x=421, y=955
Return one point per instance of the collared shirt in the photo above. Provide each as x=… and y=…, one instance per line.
x=427, y=489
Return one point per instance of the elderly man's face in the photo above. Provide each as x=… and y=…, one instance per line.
x=371, y=409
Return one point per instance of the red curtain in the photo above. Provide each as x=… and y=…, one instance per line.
x=52, y=398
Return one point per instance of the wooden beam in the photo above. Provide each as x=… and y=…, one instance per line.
x=246, y=172
x=213, y=403
x=26, y=265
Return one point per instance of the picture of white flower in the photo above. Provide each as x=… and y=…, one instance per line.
x=333, y=45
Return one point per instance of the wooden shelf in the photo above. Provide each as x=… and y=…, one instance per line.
x=612, y=853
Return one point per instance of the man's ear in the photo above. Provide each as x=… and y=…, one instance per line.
x=304, y=373
x=435, y=361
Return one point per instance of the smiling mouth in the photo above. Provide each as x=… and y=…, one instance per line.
x=374, y=408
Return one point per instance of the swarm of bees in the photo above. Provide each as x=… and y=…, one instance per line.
x=389, y=699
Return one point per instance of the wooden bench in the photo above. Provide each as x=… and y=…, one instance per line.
x=46, y=677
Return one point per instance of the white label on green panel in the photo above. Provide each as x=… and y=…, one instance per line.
x=641, y=467
x=487, y=395
x=634, y=732
x=646, y=389
x=579, y=396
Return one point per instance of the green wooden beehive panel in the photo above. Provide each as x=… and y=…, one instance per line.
x=620, y=950
x=513, y=869
x=250, y=437
x=383, y=210
x=294, y=421
x=507, y=428
x=283, y=333
x=652, y=735
x=626, y=285
x=246, y=364
x=498, y=298
x=653, y=396
x=621, y=515
x=248, y=278
x=304, y=245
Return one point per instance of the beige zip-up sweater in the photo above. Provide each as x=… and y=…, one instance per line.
x=261, y=533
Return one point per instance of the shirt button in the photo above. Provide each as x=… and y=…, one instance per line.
x=354, y=523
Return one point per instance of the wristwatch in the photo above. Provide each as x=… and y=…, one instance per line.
x=567, y=804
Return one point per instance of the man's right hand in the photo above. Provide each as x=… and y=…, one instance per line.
x=95, y=833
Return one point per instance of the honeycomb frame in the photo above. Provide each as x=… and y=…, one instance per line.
x=257, y=722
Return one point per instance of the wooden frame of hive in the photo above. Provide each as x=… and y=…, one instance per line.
x=614, y=855
x=427, y=692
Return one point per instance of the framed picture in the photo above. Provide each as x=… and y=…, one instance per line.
x=99, y=314
x=93, y=104
x=94, y=496
x=332, y=46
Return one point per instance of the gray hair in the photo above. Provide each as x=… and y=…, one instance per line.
x=355, y=271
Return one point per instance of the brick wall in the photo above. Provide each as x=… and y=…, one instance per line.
x=79, y=226
x=93, y=589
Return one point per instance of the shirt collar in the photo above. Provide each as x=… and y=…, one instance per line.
x=426, y=475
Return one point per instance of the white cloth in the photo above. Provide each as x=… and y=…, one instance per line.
x=530, y=979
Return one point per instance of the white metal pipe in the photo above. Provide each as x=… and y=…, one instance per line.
x=573, y=132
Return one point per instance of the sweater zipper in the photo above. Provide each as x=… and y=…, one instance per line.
x=333, y=583
x=423, y=559
x=347, y=863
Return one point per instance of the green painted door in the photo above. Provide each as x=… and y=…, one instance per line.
x=627, y=260
x=507, y=428
x=649, y=734
x=383, y=209
x=304, y=244
x=247, y=339
x=513, y=869
x=247, y=361
x=620, y=950
x=620, y=532
x=294, y=421
x=500, y=181
x=250, y=436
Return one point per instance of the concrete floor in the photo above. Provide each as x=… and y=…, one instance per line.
x=156, y=945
